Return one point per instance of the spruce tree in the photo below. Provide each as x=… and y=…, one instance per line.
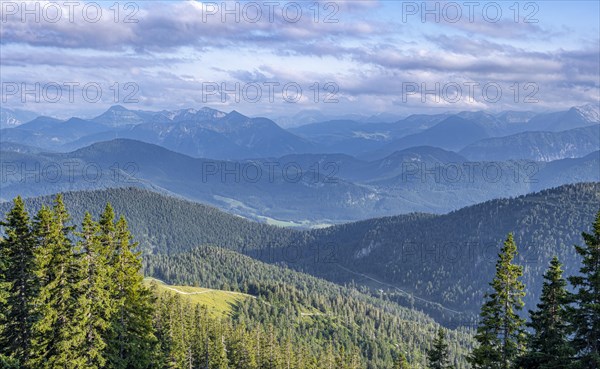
x=438, y=356
x=548, y=345
x=132, y=340
x=94, y=307
x=585, y=312
x=107, y=229
x=19, y=284
x=217, y=350
x=501, y=335
x=54, y=343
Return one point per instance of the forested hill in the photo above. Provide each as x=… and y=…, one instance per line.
x=442, y=259
x=164, y=224
x=311, y=311
x=447, y=258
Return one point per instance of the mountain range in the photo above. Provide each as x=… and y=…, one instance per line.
x=296, y=190
x=437, y=263
x=309, y=176
x=210, y=133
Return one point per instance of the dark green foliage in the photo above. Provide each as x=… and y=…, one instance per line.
x=189, y=338
x=55, y=333
x=83, y=293
x=91, y=309
x=311, y=311
x=95, y=306
x=18, y=285
x=443, y=271
x=438, y=356
x=8, y=362
x=548, y=345
x=585, y=312
x=131, y=339
x=500, y=334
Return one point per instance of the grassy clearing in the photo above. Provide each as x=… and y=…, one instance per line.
x=219, y=303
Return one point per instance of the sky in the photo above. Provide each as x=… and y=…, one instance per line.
x=278, y=58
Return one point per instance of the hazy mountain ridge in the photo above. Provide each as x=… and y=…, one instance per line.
x=538, y=146
x=211, y=133
x=10, y=118
x=307, y=189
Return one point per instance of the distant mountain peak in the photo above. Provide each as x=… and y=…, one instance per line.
x=590, y=112
x=235, y=113
x=236, y=116
x=10, y=118
x=115, y=108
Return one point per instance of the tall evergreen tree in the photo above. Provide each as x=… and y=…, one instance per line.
x=94, y=307
x=107, y=228
x=585, y=312
x=132, y=339
x=17, y=252
x=548, y=345
x=501, y=335
x=439, y=357
x=217, y=350
x=54, y=344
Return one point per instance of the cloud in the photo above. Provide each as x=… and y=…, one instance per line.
x=175, y=46
x=159, y=26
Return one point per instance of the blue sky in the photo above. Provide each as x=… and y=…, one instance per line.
x=371, y=57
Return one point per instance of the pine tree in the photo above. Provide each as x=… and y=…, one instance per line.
x=54, y=344
x=585, y=312
x=19, y=285
x=438, y=356
x=94, y=307
x=239, y=351
x=548, y=346
x=501, y=334
x=217, y=350
x=107, y=229
x=132, y=340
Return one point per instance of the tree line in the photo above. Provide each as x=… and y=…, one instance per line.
x=75, y=298
x=72, y=299
x=562, y=332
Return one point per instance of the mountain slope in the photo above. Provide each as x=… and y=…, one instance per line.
x=449, y=258
x=220, y=136
x=575, y=117
x=452, y=133
x=538, y=146
x=10, y=118
x=308, y=307
x=440, y=263
x=50, y=133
